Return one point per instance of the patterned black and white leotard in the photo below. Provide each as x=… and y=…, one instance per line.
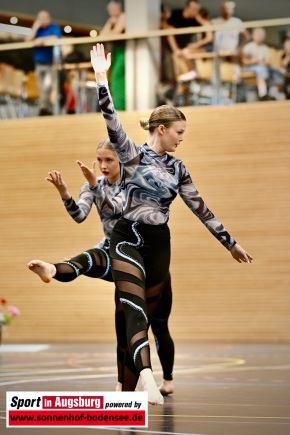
x=108, y=201
x=150, y=182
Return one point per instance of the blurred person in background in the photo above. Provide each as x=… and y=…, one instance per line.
x=228, y=41
x=115, y=25
x=183, y=45
x=256, y=58
x=42, y=29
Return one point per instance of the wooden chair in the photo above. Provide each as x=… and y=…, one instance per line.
x=190, y=91
x=32, y=92
x=204, y=69
x=229, y=77
x=275, y=57
x=212, y=73
x=11, y=90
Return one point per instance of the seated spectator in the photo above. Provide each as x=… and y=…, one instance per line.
x=42, y=29
x=228, y=41
x=256, y=58
x=183, y=45
x=203, y=41
x=116, y=24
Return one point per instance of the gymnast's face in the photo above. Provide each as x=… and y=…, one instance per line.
x=108, y=164
x=172, y=136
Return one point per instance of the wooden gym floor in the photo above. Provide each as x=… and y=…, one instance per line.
x=219, y=389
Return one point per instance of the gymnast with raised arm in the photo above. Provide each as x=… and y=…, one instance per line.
x=95, y=262
x=140, y=240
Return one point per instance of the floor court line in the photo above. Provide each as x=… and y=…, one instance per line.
x=220, y=405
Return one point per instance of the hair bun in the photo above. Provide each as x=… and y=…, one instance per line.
x=144, y=122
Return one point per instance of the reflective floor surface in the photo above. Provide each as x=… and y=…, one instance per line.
x=219, y=389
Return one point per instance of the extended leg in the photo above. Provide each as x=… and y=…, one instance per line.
x=94, y=263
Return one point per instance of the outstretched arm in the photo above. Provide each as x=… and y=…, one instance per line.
x=125, y=148
x=194, y=201
x=78, y=211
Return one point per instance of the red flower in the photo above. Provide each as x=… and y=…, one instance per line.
x=3, y=301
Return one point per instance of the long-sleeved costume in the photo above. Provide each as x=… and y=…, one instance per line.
x=95, y=263
x=107, y=199
x=140, y=241
x=152, y=181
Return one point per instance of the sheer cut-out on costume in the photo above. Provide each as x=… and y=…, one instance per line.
x=94, y=263
x=130, y=373
x=138, y=305
x=125, y=267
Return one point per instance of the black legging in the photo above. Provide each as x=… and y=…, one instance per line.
x=140, y=256
x=128, y=374
x=94, y=263
x=159, y=326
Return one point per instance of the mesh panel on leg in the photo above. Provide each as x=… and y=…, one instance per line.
x=129, y=268
x=140, y=350
x=132, y=295
x=131, y=374
x=100, y=263
x=134, y=309
x=67, y=271
x=152, y=297
x=145, y=357
x=93, y=263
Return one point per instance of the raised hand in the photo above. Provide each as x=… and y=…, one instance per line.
x=240, y=254
x=89, y=174
x=99, y=61
x=56, y=179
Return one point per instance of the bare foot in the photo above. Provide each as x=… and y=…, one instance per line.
x=45, y=271
x=149, y=385
x=167, y=387
x=119, y=386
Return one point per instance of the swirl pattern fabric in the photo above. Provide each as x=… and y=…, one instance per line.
x=150, y=182
x=107, y=199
